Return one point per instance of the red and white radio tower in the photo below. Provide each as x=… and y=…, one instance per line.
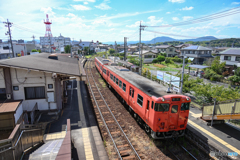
x=48, y=27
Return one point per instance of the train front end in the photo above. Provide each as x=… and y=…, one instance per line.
x=170, y=116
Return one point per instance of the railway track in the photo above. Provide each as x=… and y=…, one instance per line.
x=122, y=145
x=179, y=152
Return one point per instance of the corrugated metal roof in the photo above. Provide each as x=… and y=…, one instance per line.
x=231, y=51
x=41, y=62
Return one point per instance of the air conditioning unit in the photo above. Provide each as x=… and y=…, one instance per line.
x=8, y=96
x=54, y=75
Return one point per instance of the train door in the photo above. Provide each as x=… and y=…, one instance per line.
x=173, y=116
x=131, y=96
x=147, y=111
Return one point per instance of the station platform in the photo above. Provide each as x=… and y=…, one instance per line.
x=86, y=139
x=221, y=136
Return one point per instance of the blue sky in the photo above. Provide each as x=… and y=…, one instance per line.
x=112, y=20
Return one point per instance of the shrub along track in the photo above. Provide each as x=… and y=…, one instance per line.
x=145, y=146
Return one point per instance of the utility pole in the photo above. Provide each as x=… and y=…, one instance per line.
x=140, y=53
x=9, y=24
x=125, y=48
x=33, y=37
x=182, y=73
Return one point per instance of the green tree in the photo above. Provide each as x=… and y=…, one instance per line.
x=34, y=50
x=39, y=50
x=237, y=71
x=217, y=66
x=67, y=49
x=111, y=51
x=86, y=50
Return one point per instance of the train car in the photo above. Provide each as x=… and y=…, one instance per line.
x=163, y=115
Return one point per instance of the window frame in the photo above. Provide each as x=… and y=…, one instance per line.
x=172, y=109
x=237, y=58
x=140, y=100
x=120, y=83
x=34, y=92
x=117, y=81
x=124, y=87
x=227, y=58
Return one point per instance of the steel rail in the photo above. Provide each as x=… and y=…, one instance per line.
x=117, y=122
x=119, y=155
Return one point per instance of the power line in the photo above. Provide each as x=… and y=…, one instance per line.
x=26, y=29
x=218, y=15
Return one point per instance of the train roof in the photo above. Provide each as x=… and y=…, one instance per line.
x=148, y=86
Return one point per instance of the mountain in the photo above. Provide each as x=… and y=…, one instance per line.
x=167, y=39
x=161, y=39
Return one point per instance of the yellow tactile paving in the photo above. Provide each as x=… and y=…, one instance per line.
x=56, y=135
x=87, y=144
x=195, y=115
x=215, y=137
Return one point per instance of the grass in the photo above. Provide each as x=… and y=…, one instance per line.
x=160, y=67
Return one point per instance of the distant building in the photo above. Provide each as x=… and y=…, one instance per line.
x=92, y=45
x=170, y=50
x=20, y=41
x=232, y=57
x=0, y=41
x=198, y=54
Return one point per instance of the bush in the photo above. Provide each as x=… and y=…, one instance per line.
x=34, y=50
x=168, y=60
x=213, y=76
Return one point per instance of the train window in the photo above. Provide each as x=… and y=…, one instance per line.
x=185, y=106
x=117, y=81
x=111, y=76
x=148, y=105
x=132, y=93
x=174, y=109
x=124, y=87
x=104, y=71
x=140, y=100
x=152, y=104
x=120, y=84
x=161, y=107
x=101, y=67
x=114, y=79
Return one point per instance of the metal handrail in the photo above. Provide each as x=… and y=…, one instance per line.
x=19, y=139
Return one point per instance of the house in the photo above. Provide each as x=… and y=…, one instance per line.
x=170, y=50
x=37, y=79
x=148, y=56
x=198, y=54
x=181, y=46
x=92, y=45
x=232, y=57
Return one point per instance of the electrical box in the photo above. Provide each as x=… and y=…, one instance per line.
x=8, y=96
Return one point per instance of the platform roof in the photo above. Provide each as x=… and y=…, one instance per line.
x=40, y=62
x=7, y=107
x=198, y=66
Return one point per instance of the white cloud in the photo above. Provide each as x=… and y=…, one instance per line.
x=84, y=0
x=71, y=15
x=187, y=8
x=136, y=24
x=62, y=8
x=168, y=13
x=176, y=1
x=235, y=3
x=185, y=18
x=218, y=31
x=81, y=7
x=103, y=5
x=47, y=10
x=153, y=21
x=175, y=18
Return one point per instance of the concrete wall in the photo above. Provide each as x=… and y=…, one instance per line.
x=32, y=78
x=18, y=113
x=2, y=82
x=7, y=121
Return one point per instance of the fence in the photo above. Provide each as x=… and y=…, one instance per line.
x=227, y=108
x=21, y=138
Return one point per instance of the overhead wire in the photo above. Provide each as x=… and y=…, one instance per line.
x=221, y=14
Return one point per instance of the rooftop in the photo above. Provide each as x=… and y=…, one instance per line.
x=197, y=48
x=231, y=51
x=163, y=46
x=41, y=62
x=9, y=106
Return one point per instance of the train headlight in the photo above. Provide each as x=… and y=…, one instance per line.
x=187, y=98
x=163, y=99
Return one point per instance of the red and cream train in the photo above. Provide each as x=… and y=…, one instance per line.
x=163, y=115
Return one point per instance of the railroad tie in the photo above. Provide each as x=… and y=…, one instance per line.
x=125, y=152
